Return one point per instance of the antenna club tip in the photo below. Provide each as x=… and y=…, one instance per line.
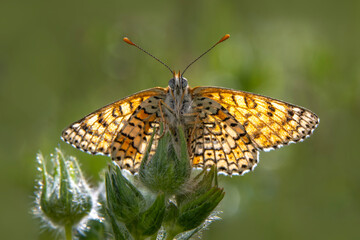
x=224, y=38
x=128, y=41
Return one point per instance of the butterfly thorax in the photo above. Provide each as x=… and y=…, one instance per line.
x=178, y=101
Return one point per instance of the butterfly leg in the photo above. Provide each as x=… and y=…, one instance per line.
x=161, y=104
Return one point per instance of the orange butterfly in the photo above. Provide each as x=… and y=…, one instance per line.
x=223, y=127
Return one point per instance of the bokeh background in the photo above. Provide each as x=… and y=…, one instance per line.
x=60, y=60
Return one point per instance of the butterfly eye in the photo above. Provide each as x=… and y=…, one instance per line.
x=184, y=82
x=172, y=83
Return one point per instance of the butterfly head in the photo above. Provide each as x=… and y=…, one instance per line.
x=178, y=84
x=178, y=97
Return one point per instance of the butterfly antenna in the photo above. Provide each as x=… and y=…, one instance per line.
x=220, y=41
x=127, y=40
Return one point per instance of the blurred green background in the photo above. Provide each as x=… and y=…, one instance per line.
x=60, y=60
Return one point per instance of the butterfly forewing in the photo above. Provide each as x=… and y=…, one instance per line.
x=131, y=142
x=269, y=123
x=96, y=132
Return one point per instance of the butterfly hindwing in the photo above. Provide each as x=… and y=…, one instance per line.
x=219, y=139
x=270, y=123
x=96, y=132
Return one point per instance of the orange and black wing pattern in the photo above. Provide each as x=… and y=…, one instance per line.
x=97, y=132
x=235, y=125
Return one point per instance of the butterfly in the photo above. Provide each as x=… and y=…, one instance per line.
x=223, y=127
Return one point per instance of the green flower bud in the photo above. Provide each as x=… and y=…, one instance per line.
x=194, y=209
x=195, y=206
x=169, y=168
x=123, y=199
x=171, y=214
x=150, y=220
x=194, y=212
x=120, y=232
x=128, y=210
x=64, y=198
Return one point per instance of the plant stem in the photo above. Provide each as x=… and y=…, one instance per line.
x=68, y=232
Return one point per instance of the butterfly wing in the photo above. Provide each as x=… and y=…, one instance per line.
x=129, y=146
x=270, y=123
x=219, y=139
x=236, y=124
x=96, y=132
